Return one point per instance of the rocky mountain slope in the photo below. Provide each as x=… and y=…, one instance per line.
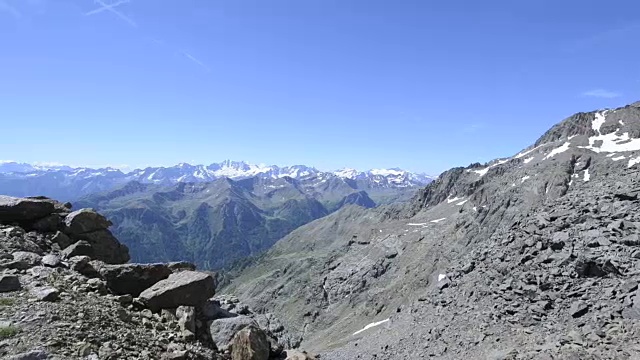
x=64, y=182
x=534, y=256
x=66, y=292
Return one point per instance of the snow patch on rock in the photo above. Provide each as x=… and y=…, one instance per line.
x=558, y=150
x=597, y=122
x=450, y=200
x=485, y=170
x=613, y=143
x=369, y=326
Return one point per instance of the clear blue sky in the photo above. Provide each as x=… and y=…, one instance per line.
x=422, y=85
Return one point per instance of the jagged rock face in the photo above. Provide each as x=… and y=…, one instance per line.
x=532, y=256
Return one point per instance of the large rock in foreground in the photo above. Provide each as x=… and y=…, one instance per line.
x=105, y=246
x=133, y=279
x=250, y=343
x=88, y=225
x=84, y=221
x=189, y=288
x=21, y=210
x=222, y=331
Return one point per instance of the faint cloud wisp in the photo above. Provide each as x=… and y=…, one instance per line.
x=195, y=60
x=471, y=128
x=112, y=8
x=7, y=8
x=601, y=93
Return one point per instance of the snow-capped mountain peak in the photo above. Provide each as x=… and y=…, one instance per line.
x=387, y=172
x=347, y=173
x=386, y=177
x=237, y=169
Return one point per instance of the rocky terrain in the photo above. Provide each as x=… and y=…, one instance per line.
x=67, y=292
x=534, y=256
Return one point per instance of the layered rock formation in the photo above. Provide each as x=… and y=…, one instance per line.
x=66, y=292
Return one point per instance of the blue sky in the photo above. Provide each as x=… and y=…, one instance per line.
x=422, y=85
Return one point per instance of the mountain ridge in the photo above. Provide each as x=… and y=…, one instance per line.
x=496, y=260
x=71, y=183
x=227, y=168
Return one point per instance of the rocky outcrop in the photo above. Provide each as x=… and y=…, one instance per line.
x=87, y=225
x=64, y=228
x=24, y=210
x=75, y=302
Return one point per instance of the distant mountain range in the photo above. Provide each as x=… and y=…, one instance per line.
x=212, y=215
x=69, y=183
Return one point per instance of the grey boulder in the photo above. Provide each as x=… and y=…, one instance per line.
x=250, y=343
x=83, y=265
x=105, y=246
x=223, y=330
x=50, y=260
x=79, y=248
x=29, y=258
x=47, y=294
x=14, y=209
x=84, y=221
x=189, y=288
x=9, y=283
x=133, y=279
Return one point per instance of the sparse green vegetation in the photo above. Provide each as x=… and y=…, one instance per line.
x=6, y=301
x=8, y=331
